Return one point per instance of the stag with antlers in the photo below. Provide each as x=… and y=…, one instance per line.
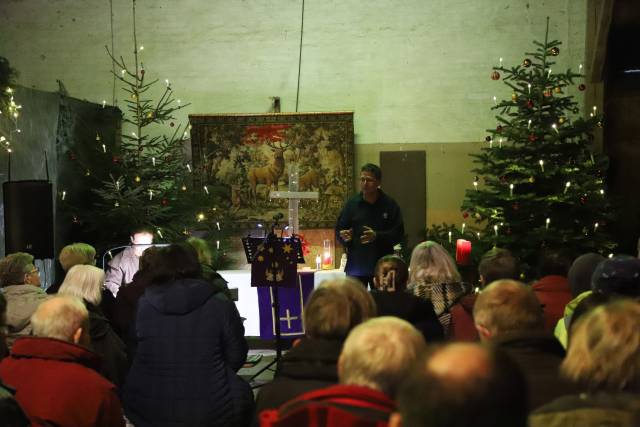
x=269, y=175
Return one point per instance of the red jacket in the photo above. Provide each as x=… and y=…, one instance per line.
x=55, y=384
x=462, y=326
x=554, y=294
x=335, y=406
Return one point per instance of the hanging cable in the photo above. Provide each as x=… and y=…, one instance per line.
x=300, y=55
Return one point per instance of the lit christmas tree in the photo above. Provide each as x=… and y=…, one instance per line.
x=538, y=183
x=9, y=109
x=148, y=180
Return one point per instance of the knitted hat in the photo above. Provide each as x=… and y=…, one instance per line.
x=619, y=275
x=581, y=271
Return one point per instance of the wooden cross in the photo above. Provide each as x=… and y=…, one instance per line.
x=294, y=197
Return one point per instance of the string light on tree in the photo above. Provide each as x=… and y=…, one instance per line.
x=541, y=163
x=547, y=222
x=510, y=190
x=566, y=186
x=595, y=227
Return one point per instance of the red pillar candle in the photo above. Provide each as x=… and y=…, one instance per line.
x=463, y=251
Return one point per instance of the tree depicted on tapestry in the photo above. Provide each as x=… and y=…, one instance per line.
x=538, y=183
x=149, y=181
x=244, y=158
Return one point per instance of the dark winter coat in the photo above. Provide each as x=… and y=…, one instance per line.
x=108, y=345
x=309, y=365
x=417, y=311
x=539, y=356
x=190, y=345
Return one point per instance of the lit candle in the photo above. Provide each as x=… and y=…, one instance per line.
x=217, y=244
x=566, y=186
x=206, y=190
x=602, y=191
x=510, y=190
x=491, y=143
x=463, y=251
x=104, y=148
x=500, y=61
x=595, y=227
x=64, y=194
x=495, y=100
x=104, y=102
x=555, y=128
x=541, y=162
x=218, y=225
x=153, y=160
x=495, y=229
x=594, y=109
x=549, y=73
x=592, y=160
x=529, y=88
x=580, y=68
x=150, y=194
x=449, y=237
x=141, y=48
x=463, y=226
x=160, y=233
x=500, y=143
x=547, y=223
x=529, y=124
x=318, y=262
x=188, y=167
x=167, y=82
x=475, y=185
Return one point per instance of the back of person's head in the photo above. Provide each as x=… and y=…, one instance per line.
x=84, y=282
x=581, y=271
x=463, y=384
x=507, y=307
x=62, y=317
x=554, y=262
x=431, y=263
x=373, y=170
x=619, y=275
x=498, y=264
x=148, y=258
x=75, y=254
x=336, y=307
x=176, y=261
x=604, y=349
x=13, y=268
x=587, y=304
x=202, y=249
x=379, y=353
x=391, y=274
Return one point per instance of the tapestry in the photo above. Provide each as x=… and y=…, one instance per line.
x=241, y=158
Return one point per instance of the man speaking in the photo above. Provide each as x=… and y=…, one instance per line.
x=369, y=225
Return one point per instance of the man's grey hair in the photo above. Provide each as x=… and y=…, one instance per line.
x=379, y=354
x=60, y=317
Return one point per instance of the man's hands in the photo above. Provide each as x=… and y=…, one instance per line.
x=367, y=236
x=346, y=235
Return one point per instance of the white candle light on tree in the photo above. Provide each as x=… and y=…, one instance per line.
x=541, y=163
x=566, y=186
x=510, y=190
x=547, y=222
x=449, y=236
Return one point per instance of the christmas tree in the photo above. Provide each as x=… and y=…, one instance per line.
x=9, y=109
x=148, y=180
x=538, y=183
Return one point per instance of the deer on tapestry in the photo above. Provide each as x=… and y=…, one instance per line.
x=268, y=175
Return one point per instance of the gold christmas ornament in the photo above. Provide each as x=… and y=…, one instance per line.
x=526, y=63
x=138, y=179
x=532, y=179
x=562, y=119
x=514, y=96
x=558, y=89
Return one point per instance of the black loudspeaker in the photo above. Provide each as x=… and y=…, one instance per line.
x=28, y=218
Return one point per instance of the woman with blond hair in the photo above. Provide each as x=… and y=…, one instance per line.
x=604, y=360
x=86, y=282
x=433, y=275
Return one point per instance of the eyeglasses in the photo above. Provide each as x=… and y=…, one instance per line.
x=35, y=270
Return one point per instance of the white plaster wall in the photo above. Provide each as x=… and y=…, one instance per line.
x=414, y=71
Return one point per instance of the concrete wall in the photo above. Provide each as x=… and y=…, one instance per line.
x=416, y=72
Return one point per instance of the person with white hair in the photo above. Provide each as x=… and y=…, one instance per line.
x=376, y=358
x=85, y=282
x=54, y=374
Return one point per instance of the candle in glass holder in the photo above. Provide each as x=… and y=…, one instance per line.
x=463, y=251
x=327, y=254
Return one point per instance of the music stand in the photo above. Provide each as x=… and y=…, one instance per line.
x=273, y=264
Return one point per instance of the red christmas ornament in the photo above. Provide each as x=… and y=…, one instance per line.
x=164, y=201
x=529, y=104
x=115, y=160
x=583, y=200
x=582, y=86
x=499, y=129
x=515, y=206
x=495, y=75
x=465, y=214
x=548, y=93
x=503, y=179
x=532, y=137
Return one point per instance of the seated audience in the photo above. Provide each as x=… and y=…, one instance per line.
x=579, y=277
x=10, y=412
x=329, y=315
x=552, y=287
x=85, y=282
x=496, y=264
x=205, y=257
x=392, y=299
x=463, y=384
x=508, y=314
x=20, y=282
x=70, y=255
x=376, y=358
x=190, y=344
x=54, y=374
x=604, y=359
x=433, y=276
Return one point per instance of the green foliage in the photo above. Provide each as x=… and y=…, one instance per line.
x=538, y=183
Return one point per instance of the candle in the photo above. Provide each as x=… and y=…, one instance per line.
x=491, y=143
x=153, y=160
x=64, y=194
x=463, y=251
x=150, y=194
x=495, y=100
x=510, y=190
x=566, y=186
x=595, y=227
x=475, y=185
x=217, y=244
x=529, y=124
x=541, y=162
x=318, y=262
x=495, y=229
x=218, y=225
x=500, y=143
x=449, y=237
x=529, y=88
x=546, y=226
x=501, y=62
x=463, y=226
x=580, y=68
x=555, y=128
x=206, y=190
